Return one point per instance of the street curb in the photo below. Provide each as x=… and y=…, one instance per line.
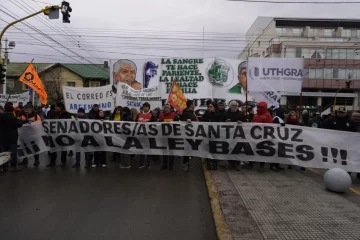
x=222, y=228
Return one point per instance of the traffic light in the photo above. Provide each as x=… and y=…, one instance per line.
x=347, y=83
x=3, y=74
x=65, y=9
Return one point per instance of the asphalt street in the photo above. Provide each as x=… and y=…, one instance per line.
x=105, y=203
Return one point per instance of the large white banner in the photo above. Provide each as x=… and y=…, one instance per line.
x=14, y=99
x=200, y=79
x=282, y=74
x=76, y=98
x=303, y=146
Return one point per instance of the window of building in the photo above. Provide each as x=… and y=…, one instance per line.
x=290, y=52
x=329, y=32
x=10, y=83
x=281, y=31
x=71, y=84
x=335, y=73
x=297, y=31
x=356, y=74
x=312, y=73
x=94, y=84
x=328, y=73
x=319, y=73
x=335, y=53
x=328, y=53
x=342, y=73
x=350, y=53
x=349, y=74
x=346, y=33
x=25, y=87
x=298, y=52
x=306, y=72
x=342, y=53
x=358, y=33
x=356, y=53
x=305, y=52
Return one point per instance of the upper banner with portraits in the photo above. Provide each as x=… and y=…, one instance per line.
x=200, y=79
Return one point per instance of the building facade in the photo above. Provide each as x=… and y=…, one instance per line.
x=331, y=52
x=56, y=75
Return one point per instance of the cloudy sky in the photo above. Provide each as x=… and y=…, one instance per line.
x=108, y=29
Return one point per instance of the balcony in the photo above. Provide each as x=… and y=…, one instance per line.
x=274, y=48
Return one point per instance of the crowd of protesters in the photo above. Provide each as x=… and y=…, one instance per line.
x=13, y=118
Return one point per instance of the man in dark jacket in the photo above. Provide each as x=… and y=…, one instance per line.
x=63, y=115
x=94, y=112
x=53, y=113
x=234, y=115
x=340, y=122
x=9, y=125
x=189, y=116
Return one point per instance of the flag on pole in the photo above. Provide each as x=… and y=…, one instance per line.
x=177, y=98
x=32, y=80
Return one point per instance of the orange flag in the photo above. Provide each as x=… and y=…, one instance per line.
x=177, y=98
x=32, y=80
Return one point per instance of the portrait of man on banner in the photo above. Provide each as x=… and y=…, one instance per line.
x=125, y=71
x=240, y=87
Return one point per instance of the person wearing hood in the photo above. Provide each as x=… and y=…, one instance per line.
x=9, y=125
x=94, y=112
x=145, y=117
x=27, y=116
x=88, y=155
x=168, y=116
x=234, y=115
x=188, y=115
x=262, y=116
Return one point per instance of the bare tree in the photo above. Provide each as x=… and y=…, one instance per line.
x=53, y=82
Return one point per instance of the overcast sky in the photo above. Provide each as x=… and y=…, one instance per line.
x=105, y=29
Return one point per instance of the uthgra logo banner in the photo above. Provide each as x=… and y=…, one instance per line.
x=223, y=141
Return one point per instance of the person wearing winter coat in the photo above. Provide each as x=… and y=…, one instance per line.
x=188, y=115
x=94, y=112
x=100, y=156
x=211, y=115
x=262, y=116
x=9, y=126
x=88, y=155
x=234, y=115
x=27, y=116
x=168, y=116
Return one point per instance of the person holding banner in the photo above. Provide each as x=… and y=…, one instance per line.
x=145, y=117
x=9, y=125
x=211, y=115
x=88, y=156
x=234, y=115
x=100, y=156
x=168, y=116
x=189, y=116
x=27, y=116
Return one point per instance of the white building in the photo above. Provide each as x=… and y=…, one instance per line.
x=331, y=49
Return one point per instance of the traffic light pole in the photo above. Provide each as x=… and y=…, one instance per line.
x=46, y=10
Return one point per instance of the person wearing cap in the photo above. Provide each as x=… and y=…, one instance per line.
x=189, y=116
x=145, y=117
x=341, y=122
x=27, y=116
x=168, y=116
x=9, y=125
x=94, y=112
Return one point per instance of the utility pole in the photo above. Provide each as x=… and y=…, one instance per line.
x=6, y=57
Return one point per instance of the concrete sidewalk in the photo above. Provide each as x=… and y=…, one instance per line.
x=284, y=205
